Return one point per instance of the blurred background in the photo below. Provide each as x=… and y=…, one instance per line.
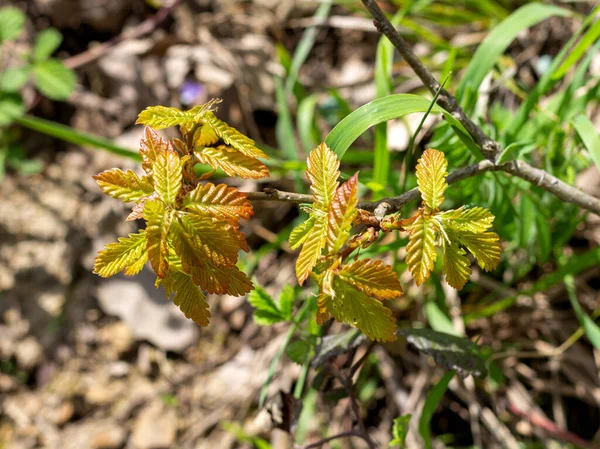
x=99, y=363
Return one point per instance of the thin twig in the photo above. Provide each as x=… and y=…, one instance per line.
x=354, y=368
x=350, y=433
x=137, y=31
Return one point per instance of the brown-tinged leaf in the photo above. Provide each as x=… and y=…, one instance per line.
x=218, y=201
x=455, y=265
x=373, y=278
x=323, y=173
x=342, y=213
x=311, y=249
x=126, y=186
x=420, y=251
x=188, y=297
x=232, y=162
x=151, y=146
x=167, y=176
x=233, y=137
x=160, y=117
x=126, y=253
x=431, y=177
x=157, y=231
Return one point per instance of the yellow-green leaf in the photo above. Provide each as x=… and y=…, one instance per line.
x=125, y=186
x=205, y=136
x=218, y=201
x=476, y=219
x=232, y=162
x=189, y=298
x=455, y=265
x=127, y=252
x=233, y=137
x=300, y=233
x=151, y=146
x=159, y=117
x=352, y=306
x=157, y=232
x=420, y=251
x=167, y=176
x=431, y=177
x=373, y=278
x=323, y=173
x=484, y=246
x=311, y=249
x=341, y=215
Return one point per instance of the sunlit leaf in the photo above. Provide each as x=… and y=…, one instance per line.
x=151, y=146
x=232, y=162
x=300, y=232
x=160, y=117
x=351, y=306
x=188, y=297
x=311, y=249
x=400, y=431
x=266, y=311
x=205, y=136
x=420, y=251
x=476, y=219
x=233, y=137
x=125, y=186
x=218, y=201
x=167, y=176
x=485, y=247
x=455, y=265
x=373, y=278
x=341, y=215
x=431, y=177
x=54, y=79
x=157, y=232
x=323, y=173
x=127, y=252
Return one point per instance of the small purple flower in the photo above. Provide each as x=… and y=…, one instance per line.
x=190, y=92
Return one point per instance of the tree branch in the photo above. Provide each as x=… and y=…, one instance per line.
x=350, y=433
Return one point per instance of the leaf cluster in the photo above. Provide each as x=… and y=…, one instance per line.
x=192, y=236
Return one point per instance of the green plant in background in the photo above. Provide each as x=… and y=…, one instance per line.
x=49, y=75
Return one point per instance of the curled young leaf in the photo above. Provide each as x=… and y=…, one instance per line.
x=431, y=178
x=151, y=146
x=233, y=137
x=167, y=176
x=342, y=213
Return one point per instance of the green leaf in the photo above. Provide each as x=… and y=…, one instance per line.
x=455, y=265
x=588, y=134
x=591, y=36
x=54, y=79
x=484, y=246
x=448, y=351
x=373, y=278
x=267, y=312
x=126, y=186
x=167, y=174
x=232, y=161
x=127, y=252
x=377, y=111
x=515, y=150
x=46, y=43
x=592, y=330
x=323, y=173
x=476, y=219
x=286, y=301
x=12, y=22
x=160, y=117
x=334, y=345
x=420, y=251
x=299, y=351
x=498, y=40
x=432, y=170
x=400, y=431
x=311, y=250
x=11, y=107
x=14, y=78
x=233, y=137
x=431, y=403
x=300, y=232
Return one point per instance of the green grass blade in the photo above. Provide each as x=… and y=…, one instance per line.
x=589, y=136
x=431, y=403
x=377, y=111
x=498, y=41
x=73, y=136
x=305, y=45
x=305, y=121
x=589, y=326
x=588, y=39
x=284, y=131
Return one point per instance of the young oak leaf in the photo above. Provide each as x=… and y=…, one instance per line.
x=455, y=265
x=431, y=178
x=205, y=136
x=484, y=246
x=160, y=117
x=311, y=249
x=233, y=137
x=167, y=176
x=157, y=233
x=232, y=162
x=352, y=306
x=151, y=146
x=476, y=219
x=189, y=298
x=342, y=213
x=219, y=202
x=323, y=173
x=300, y=233
x=373, y=278
x=128, y=253
x=126, y=186
x=420, y=251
